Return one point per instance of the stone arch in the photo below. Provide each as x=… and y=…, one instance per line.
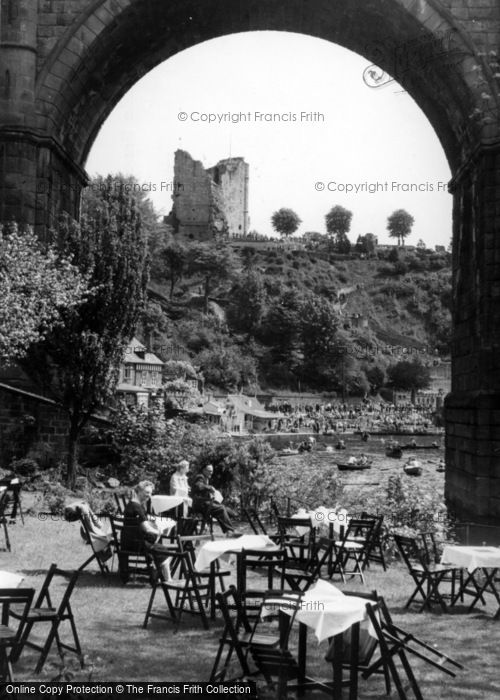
x=418, y=42
x=66, y=63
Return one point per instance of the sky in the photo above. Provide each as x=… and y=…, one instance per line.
x=299, y=111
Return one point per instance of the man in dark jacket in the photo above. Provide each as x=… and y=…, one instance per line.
x=204, y=500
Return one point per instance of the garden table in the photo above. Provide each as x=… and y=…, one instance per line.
x=323, y=517
x=160, y=503
x=213, y=549
x=330, y=613
x=475, y=559
x=8, y=580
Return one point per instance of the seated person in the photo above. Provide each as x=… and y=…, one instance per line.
x=179, y=484
x=204, y=500
x=140, y=534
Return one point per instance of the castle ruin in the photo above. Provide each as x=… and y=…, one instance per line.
x=209, y=203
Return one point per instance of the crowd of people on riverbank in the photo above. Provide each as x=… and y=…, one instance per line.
x=333, y=417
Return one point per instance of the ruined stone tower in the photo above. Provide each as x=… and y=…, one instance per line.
x=209, y=203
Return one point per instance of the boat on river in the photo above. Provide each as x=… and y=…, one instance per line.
x=413, y=467
x=356, y=465
x=395, y=451
x=415, y=446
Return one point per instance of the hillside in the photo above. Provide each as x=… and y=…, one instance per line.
x=284, y=318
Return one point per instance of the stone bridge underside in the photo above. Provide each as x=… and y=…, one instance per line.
x=64, y=64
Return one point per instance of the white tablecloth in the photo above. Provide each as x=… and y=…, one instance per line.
x=212, y=550
x=471, y=558
x=327, y=611
x=321, y=518
x=165, y=525
x=159, y=504
x=8, y=580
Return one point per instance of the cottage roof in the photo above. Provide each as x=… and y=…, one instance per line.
x=136, y=353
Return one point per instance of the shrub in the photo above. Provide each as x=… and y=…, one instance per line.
x=101, y=502
x=26, y=467
x=408, y=507
x=54, y=499
x=43, y=454
x=150, y=448
x=317, y=486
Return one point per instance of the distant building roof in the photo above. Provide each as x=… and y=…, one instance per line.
x=137, y=353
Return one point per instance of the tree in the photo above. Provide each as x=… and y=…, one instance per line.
x=281, y=329
x=393, y=256
x=376, y=377
x=338, y=224
x=215, y=264
x=285, y=222
x=36, y=285
x=127, y=186
x=247, y=303
x=170, y=262
x=367, y=244
x=319, y=327
x=153, y=321
x=409, y=375
x=399, y=225
x=78, y=361
x=313, y=239
x=228, y=367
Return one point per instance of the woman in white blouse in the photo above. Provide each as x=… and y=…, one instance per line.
x=179, y=483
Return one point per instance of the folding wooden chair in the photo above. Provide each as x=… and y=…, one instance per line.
x=301, y=578
x=253, y=519
x=270, y=563
x=427, y=576
x=375, y=552
x=354, y=547
x=275, y=660
x=45, y=611
x=101, y=551
x=9, y=637
x=433, y=556
x=300, y=548
x=4, y=503
x=121, y=501
x=395, y=642
x=236, y=636
x=355, y=649
x=13, y=488
x=130, y=562
x=212, y=575
x=187, y=586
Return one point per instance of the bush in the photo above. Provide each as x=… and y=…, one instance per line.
x=317, y=486
x=54, y=499
x=26, y=467
x=150, y=448
x=408, y=507
x=43, y=454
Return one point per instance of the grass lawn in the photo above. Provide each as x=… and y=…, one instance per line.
x=109, y=618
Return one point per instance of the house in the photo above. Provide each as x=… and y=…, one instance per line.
x=140, y=374
x=240, y=414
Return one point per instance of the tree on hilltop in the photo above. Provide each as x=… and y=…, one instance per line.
x=399, y=225
x=338, y=223
x=285, y=222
